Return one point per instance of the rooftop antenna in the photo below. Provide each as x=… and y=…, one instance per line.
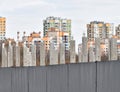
x=72, y=38
x=18, y=36
x=39, y=32
x=83, y=34
x=24, y=33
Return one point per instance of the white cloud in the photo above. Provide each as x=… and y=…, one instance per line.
x=80, y=11
x=12, y=5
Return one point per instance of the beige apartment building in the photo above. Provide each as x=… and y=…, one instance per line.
x=99, y=29
x=2, y=28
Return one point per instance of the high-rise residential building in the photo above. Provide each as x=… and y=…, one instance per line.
x=99, y=29
x=56, y=37
x=56, y=29
x=2, y=28
x=117, y=36
x=57, y=23
x=117, y=30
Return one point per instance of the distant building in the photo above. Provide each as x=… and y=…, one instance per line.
x=104, y=48
x=118, y=49
x=2, y=28
x=117, y=36
x=32, y=38
x=79, y=48
x=57, y=29
x=117, y=30
x=99, y=29
x=56, y=37
x=58, y=23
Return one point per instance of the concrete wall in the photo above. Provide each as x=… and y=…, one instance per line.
x=83, y=77
x=108, y=77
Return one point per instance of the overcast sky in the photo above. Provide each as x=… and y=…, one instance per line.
x=28, y=15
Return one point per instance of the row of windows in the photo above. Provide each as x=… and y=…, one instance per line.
x=2, y=38
x=2, y=32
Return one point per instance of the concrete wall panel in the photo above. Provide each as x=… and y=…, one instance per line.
x=57, y=78
x=82, y=77
x=5, y=80
x=37, y=79
x=19, y=80
x=108, y=77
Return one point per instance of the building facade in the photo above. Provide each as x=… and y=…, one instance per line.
x=117, y=30
x=58, y=30
x=99, y=29
x=56, y=37
x=2, y=28
x=117, y=34
x=57, y=23
x=34, y=37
